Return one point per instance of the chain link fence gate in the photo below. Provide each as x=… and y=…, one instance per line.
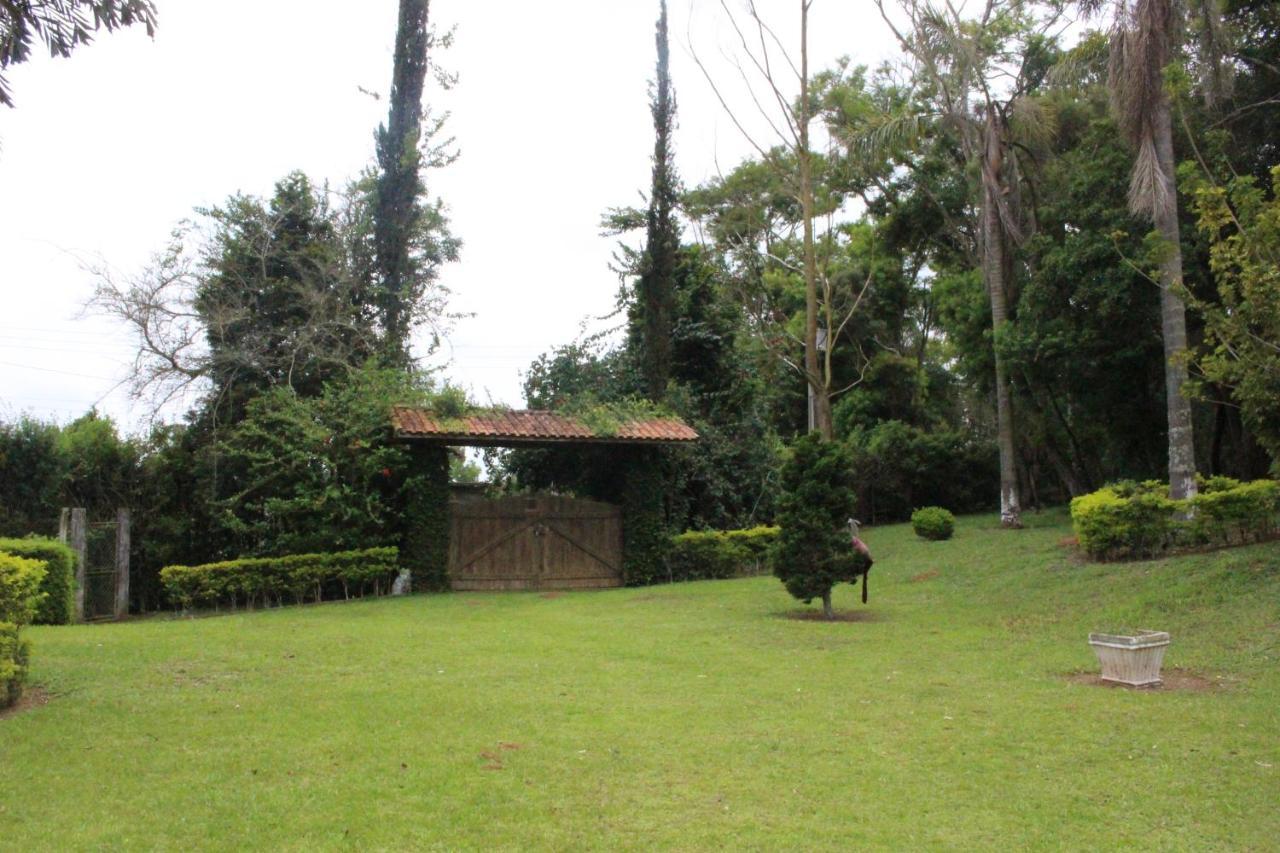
x=102, y=563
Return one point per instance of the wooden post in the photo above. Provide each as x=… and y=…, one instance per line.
x=64, y=524
x=78, y=533
x=122, y=563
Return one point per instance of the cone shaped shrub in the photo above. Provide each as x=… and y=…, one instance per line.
x=817, y=500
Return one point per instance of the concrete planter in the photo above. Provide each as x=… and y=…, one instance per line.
x=1133, y=660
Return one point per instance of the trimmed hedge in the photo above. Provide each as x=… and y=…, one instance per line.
x=933, y=522
x=59, y=587
x=20, y=596
x=14, y=654
x=1129, y=520
x=266, y=580
x=716, y=554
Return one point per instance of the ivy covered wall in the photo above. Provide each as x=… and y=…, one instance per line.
x=424, y=548
x=646, y=537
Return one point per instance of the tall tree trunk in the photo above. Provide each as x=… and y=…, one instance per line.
x=817, y=378
x=1173, y=315
x=994, y=271
x=400, y=183
x=827, y=612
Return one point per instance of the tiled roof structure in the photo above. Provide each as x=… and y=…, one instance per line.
x=532, y=427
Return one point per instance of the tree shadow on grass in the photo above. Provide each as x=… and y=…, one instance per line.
x=839, y=616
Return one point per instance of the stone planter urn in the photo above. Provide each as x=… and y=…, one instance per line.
x=1131, y=659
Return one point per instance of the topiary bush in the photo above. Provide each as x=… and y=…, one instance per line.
x=59, y=585
x=933, y=522
x=20, y=597
x=264, y=580
x=1129, y=520
x=816, y=501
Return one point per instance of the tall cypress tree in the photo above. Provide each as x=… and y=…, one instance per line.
x=655, y=290
x=396, y=211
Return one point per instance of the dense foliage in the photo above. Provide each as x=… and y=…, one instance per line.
x=933, y=522
x=58, y=588
x=1242, y=328
x=814, y=552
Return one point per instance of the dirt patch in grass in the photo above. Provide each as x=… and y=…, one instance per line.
x=1174, y=680
x=925, y=576
x=493, y=758
x=32, y=697
x=550, y=595
x=839, y=616
x=653, y=597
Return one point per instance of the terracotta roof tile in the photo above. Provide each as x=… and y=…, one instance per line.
x=532, y=426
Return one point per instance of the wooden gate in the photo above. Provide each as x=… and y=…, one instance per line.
x=541, y=542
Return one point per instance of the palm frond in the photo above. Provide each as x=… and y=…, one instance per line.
x=887, y=133
x=1150, y=189
x=1032, y=122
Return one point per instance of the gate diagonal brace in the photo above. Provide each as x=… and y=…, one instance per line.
x=506, y=537
x=592, y=554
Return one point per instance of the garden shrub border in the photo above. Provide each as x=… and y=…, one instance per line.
x=1129, y=520
x=718, y=554
x=20, y=597
x=264, y=580
x=58, y=606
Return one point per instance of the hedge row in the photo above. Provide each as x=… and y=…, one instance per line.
x=59, y=586
x=713, y=554
x=20, y=596
x=1130, y=520
x=267, y=580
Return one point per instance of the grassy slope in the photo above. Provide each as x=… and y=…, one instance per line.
x=685, y=716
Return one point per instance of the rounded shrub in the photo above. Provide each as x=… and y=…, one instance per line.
x=933, y=522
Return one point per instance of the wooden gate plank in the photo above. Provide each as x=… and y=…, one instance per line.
x=543, y=542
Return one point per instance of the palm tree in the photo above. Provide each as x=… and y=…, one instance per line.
x=1144, y=42
x=970, y=78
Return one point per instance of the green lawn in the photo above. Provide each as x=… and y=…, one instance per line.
x=686, y=716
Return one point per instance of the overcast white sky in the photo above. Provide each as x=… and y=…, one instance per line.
x=108, y=150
